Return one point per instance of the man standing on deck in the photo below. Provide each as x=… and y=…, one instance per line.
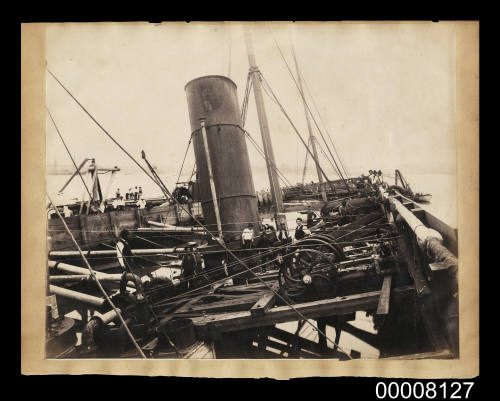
x=247, y=237
x=118, y=193
x=310, y=216
x=121, y=203
x=283, y=234
x=124, y=252
x=140, y=192
x=141, y=203
x=300, y=231
x=136, y=193
x=189, y=263
x=325, y=211
x=67, y=212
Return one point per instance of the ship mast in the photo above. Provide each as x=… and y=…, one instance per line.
x=264, y=127
x=312, y=138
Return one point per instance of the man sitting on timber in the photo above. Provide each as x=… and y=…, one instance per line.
x=300, y=231
x=247, y=237
x=125, y=258
x=124, y=255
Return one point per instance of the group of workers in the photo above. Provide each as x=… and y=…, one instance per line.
x=119, y=203
x=193, y=264
x=271, y=236
x=375, y=177
x=132, y=194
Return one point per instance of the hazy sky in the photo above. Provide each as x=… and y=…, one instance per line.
x=385, y=91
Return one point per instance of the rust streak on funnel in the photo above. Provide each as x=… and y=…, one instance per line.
x=214, y=99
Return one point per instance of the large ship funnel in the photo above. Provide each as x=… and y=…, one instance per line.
x=213, y=101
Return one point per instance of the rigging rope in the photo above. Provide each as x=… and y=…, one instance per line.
x=342, y=164
x=244, y=107
x=326, y=156
x=69, y=153
x=184, y=159
x=298, y=88
x=199, y=223
x=297, y=132
x=261, y=152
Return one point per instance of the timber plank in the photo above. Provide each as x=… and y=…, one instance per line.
x=385, y=296
x=327, y=307
x=226, y=302
x=264, y=303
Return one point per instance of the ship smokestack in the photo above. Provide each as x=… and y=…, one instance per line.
x=213, y=99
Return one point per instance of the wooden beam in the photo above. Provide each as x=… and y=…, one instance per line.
x=442, y=354
x=264, y=303
x=327, y=307
x=385, y=296
x=225, y=303
x=241, y=289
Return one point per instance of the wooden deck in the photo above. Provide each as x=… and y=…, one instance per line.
x=209, y=325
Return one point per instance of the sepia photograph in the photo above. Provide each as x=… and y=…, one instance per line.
x=251, y=190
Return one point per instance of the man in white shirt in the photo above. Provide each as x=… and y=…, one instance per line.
x=115, y=204
x=124, y=252
x=247, y=237
x=67, y=212
x=141, y=203
x=121, y=203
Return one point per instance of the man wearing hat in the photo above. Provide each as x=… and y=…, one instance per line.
x=124, y=252
x=189, y=262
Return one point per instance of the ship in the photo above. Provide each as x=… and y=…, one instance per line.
x=369, y=249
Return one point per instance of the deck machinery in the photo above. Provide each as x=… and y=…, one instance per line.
x=371, y=259
x=376, y=252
